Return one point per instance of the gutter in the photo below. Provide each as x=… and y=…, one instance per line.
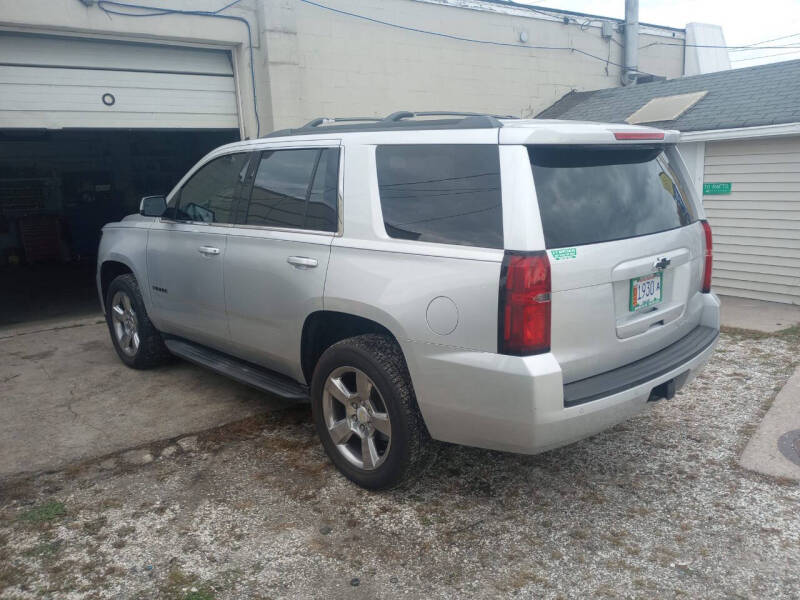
x=741, y=133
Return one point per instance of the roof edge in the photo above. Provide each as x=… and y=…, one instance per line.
x=533, y=11
x=739, y=133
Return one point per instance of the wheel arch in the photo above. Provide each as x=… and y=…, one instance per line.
x=112, y=267
x=323, y=328
x=109, y=271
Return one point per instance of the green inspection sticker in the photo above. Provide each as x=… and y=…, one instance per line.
x=564, y=253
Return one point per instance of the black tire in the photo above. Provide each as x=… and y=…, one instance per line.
x=380, y=358
x=151, y=351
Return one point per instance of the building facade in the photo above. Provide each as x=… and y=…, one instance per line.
x=309, y=59
x=102, y=103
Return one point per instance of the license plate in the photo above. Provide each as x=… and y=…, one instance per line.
x=645, y=291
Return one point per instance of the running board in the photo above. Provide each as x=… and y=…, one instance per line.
x=239, y=370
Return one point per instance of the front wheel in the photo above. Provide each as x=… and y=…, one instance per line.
x=366, y=413
x=136, y=340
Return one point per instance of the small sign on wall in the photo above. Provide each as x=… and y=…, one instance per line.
x=716, y=189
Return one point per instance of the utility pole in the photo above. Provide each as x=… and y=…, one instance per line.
x=631, y=42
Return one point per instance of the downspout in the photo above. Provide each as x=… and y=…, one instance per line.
x=631, y=42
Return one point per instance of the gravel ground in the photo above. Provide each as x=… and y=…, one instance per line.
x=655, y=507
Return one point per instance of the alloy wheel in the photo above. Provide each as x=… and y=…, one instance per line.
x=356, y=417
x=123, y=319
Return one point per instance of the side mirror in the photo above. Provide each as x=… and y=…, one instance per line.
x=153, y=206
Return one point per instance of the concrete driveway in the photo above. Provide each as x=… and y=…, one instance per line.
x=65, y=396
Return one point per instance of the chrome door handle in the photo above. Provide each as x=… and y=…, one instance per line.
x=208, y=250
x=302, y=262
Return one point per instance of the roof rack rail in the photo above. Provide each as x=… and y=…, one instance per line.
x=327, y=120
x=404, y=114
x=397, y=120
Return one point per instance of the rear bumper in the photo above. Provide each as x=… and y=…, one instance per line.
x=517, y=404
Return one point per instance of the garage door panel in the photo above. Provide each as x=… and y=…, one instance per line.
x=99, y=120
x=120, y=79
x=65, y=98
x=62, y=82
x=40, y=50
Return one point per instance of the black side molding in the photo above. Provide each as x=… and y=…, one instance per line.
x=640, y=371
x=242, y=371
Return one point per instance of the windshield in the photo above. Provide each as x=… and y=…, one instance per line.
x=592, y=194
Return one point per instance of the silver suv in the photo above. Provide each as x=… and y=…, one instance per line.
x=488, y=281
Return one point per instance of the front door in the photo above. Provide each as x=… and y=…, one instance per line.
x=186, y=253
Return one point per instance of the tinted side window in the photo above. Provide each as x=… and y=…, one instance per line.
x=296, y=189
x=590, y=194
x=323, y=200
x=442, y=193
x=210, y=194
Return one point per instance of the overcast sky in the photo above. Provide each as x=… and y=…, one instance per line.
x=742, y=22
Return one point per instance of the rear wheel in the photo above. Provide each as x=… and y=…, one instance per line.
x=366, y=413
x=136, y=340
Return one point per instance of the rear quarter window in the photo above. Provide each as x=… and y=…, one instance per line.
x=593, y=194
x=444, y=193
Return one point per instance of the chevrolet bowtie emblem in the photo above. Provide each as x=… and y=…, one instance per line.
x=661, y=263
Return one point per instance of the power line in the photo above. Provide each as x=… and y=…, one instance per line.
x=783, y=37
x=461, y=38
x=765, y=56
x=731, y=48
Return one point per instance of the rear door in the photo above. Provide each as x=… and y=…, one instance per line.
x=625, y=248
x=186, y=249
x=277, y=253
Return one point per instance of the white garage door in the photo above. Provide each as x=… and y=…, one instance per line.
x=51, y=82
x=757, y=224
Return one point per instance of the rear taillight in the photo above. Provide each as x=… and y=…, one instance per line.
x=524, y=310
x=708, y=258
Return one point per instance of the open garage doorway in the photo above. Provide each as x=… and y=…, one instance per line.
x=58, y=188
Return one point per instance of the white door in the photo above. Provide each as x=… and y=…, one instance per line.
x=57, y=82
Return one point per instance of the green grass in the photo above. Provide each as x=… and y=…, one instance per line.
x=199, y=595
x=45, y=549
x=44, y=512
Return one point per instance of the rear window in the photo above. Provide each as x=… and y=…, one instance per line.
x=446, y=193
x=592, y=194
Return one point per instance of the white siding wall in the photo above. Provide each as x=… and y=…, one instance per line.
x=757, y=227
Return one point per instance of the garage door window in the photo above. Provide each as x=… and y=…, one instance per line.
x=210, y=194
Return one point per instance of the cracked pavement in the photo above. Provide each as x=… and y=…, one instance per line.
x=67, y=397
